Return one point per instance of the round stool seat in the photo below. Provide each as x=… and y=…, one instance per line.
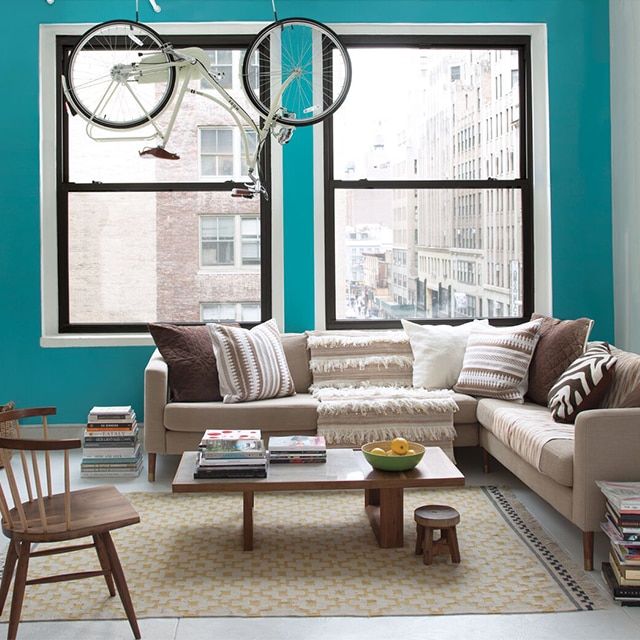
x=430, y=518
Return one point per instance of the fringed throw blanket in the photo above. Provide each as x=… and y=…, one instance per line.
x=356, y=415
x=354, y=358
x=526, y=431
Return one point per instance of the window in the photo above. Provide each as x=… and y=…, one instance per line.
x=427, y=123
x=145, y=240
x=222, y=154
x=218, y=246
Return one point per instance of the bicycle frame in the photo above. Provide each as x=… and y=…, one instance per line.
x=189, y=64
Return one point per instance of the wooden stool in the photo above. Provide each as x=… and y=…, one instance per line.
x=431, y=517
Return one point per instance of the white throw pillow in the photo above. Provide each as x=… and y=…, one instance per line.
x=438, y=352
x=496, y=362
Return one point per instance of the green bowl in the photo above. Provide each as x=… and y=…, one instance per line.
x=394, y=462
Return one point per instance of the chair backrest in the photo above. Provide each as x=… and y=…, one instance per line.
x=25, y=472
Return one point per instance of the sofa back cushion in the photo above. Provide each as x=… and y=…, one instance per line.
x=624, y=390
x=297, y=354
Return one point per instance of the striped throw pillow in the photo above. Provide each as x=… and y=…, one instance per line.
x=497, y=359
x=251, y=362
x=583, y=384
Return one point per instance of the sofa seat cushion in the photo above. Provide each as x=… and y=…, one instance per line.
x=289, y=413
x=467, y=409
x=555, y=458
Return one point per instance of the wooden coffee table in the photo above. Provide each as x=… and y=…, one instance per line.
x=345, y=469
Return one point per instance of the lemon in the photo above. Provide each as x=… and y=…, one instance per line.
x=411, y=452
x=391, y=453
x=379, y=451
x=399, y=446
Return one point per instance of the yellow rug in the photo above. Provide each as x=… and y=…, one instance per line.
x=315, y=555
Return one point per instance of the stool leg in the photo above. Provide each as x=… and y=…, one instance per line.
x=453, y=545
x=428, y=545
x=419, y=538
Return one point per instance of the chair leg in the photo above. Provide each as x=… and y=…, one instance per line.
x=419, y=538
x=104, y=563
x=121, y=582
x=19, y=584
x=7, y=573
x=587, y=550
x=452, y=539
x=152, y=467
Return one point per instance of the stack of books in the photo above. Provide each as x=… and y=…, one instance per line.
x=111, y=446
x=622, y=526
x=231, y=454
x=297, y=449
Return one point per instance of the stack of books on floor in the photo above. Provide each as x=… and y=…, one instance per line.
x=111, y=446
x=622, y=526
x=297, y=449
x=231, y=454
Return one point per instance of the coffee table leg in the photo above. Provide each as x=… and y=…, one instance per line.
x=247, y=520
x=385, y=510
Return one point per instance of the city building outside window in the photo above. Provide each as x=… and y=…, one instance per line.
x=402, y=171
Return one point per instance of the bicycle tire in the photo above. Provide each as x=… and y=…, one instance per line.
x=101, y=89
x=305, y=47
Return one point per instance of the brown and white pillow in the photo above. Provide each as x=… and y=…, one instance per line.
x=497, y=359
x=251, y=362
x=583, y=384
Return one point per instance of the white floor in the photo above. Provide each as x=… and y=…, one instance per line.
x=619, y=623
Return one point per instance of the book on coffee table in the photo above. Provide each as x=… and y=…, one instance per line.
x=297, y=444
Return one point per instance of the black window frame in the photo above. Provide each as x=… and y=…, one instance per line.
x=521, y=43
x=63, y=47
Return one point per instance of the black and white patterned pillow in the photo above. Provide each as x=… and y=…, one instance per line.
x=583, y=384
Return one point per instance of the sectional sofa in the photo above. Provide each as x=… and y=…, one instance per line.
x=559, y=449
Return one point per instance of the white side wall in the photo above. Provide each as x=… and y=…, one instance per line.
x=625, y=151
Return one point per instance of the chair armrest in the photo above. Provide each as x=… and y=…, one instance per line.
x=156, y=396
x=607, y=447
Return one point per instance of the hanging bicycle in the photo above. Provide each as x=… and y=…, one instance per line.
x=123, y=76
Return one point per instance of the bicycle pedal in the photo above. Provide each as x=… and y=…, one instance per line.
x=242, y=193
x=159, y=152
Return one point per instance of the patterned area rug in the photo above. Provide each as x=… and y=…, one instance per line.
x=315, y=555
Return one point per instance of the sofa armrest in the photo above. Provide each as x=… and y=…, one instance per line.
x=156, y=396
x=607, y=447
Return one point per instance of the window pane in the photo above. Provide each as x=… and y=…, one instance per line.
x=135, y=257
x=427, y=122
x=427, y=253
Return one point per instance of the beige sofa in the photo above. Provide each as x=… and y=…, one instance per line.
x=606, y=443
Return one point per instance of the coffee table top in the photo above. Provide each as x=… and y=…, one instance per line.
x=344, y=469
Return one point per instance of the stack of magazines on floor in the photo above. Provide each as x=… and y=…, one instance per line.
x=622, y=526
x=231, y=454
x=297, y=449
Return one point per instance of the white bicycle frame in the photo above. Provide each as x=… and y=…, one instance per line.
x=189, y=63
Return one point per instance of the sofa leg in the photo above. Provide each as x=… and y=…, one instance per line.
x=587, y=550
x=485, y=461
x=152, y=467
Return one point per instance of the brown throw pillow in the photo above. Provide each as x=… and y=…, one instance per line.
x=560, y=343
x=188, y=352
x=583, y=384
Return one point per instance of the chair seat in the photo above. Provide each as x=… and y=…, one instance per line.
x=95, y=510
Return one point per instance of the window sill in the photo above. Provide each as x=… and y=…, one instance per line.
x=97, y=340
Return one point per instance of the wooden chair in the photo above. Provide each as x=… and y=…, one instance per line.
x=36, y=516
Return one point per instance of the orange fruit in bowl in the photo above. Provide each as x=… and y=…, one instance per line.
x=400, y=446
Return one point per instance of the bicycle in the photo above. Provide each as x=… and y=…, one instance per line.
x=123, y=76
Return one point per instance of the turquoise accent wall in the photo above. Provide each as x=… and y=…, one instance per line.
x=74, y=379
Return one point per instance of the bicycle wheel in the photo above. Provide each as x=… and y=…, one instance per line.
x=297, y=68
x=117, y=75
